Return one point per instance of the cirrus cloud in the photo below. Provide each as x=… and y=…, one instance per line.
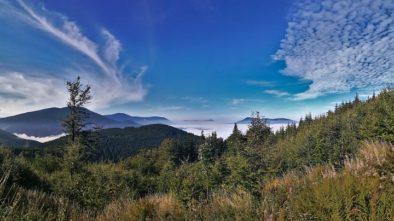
x=277, y=93
x=100, y=65
x=339, y=45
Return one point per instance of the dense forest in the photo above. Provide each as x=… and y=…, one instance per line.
x=337, y=166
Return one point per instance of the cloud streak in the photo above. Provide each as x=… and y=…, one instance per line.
x=339, y=45
x=69, y=33
x=261, y=83
x=110, y=83
x=277, y=93
x=237, y=101
x=112, y=47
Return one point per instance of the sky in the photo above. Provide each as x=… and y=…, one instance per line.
x=195, y=59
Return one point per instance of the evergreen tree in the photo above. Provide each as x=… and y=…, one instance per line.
x=236, y=140
x=258, y=132
x=212, y=148
x=79, y=95
x=357, y=99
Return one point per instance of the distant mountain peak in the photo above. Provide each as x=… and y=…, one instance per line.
x=248, y=120
x=122, y=117
x=48, y=122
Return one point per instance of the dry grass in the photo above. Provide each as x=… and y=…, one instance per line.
x=371, y=157
x=236, y=200
x=157, y=207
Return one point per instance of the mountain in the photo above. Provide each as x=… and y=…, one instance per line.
x=121, y=117
x=199, y=121
x=48, y=122
x=268, y=120
x=117, y=143
x=10, y=140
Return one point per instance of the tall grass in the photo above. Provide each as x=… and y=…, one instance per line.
x=17, y=203
x=362, y=190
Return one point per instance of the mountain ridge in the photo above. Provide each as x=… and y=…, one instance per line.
x=122, y=117
x=247, y=120
x=10, y=140
x=48, y=122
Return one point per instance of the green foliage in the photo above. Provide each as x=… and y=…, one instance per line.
x=10, y=140
x=315, y=170
x=79, y=95
x=211, y=149
x=259, y=132
x=332, y=137
x=115, y=144
x=361, y=191
x=235, y=141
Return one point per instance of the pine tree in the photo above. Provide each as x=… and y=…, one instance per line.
x=212, y=148
x=75, y=121
x=258, y=131
x=357, y=98
x=235, y=140
x=79, y=96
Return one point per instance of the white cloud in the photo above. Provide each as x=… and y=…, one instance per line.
x=261, y=83
x=237, y=101
x=20, y=93
x=339, y=45
x=109, y=82
x=170, y=108
x=39, y=139
x=112, y=47
x=277, y=93
x=68, y=32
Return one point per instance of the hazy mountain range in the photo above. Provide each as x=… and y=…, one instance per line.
x=121, y=117
x=48, y=122
x=270, y=121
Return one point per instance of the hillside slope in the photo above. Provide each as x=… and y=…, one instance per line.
x=10, y=140
x=117, y=143
x=336, y=135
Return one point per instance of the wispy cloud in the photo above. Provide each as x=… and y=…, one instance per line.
x=112, y=47
x=237, y=101
x=111, y=84
x=339, y=45
x=68, y=32
x=170, y=108
x=199, y=100
x=277, y=93
x=261, y=83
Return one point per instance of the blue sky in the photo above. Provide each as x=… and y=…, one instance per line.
x=195, y=59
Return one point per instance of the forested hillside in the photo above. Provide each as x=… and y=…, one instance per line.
x=10, y=140
x=115, y=143
x=338, y=166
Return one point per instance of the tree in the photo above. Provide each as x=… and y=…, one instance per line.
x=357, y=99
x=79, y=96
x=235, y=141
x=75, y=121
x=211, y=149
x=258, y=131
